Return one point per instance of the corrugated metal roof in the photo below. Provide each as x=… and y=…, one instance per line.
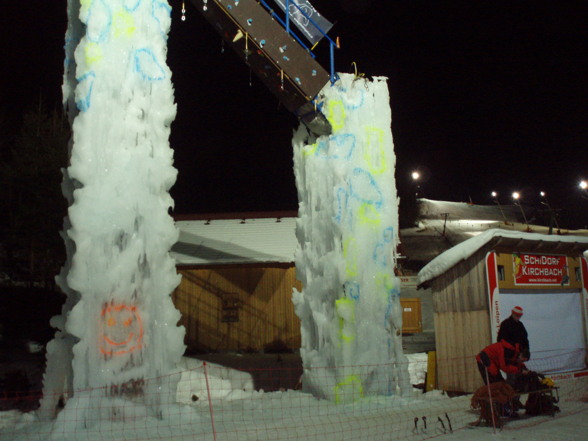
x=235, y=241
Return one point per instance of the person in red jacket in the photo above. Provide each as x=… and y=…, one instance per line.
x=501, y=356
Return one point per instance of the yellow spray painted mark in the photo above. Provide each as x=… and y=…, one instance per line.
x=123, y=24
x=309, y=150
x=386, y=282
x=346, y=311
x=350, y=255
x=336, y=115
x=350, y=387
x=84, y=7
x=367, y=214
x=93, y=53
x=375, y=153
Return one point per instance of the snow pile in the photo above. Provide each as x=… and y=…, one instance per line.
x=119, y=274
x=417, y=367
x=9, y=418
x=200, y=381
x=347, y=232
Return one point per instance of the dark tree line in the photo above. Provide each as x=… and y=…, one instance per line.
x=33, y=207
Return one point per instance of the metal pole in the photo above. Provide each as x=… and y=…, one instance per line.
x=490, y=399
x=524, y=216
x=332, y=51
x=209, y=400
x=288, y=16
x=552, y=217
x=501, y=211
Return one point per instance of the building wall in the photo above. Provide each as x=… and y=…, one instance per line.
x=462, y=323
x=422, y=340
x=238, y=308
x=408, y=289
x=249, y=308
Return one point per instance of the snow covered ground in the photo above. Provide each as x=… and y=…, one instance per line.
x=235, y=411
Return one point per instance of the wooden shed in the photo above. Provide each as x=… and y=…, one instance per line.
x=475, y=285
x=244, y=307
x=237, y=278
x=238, y=274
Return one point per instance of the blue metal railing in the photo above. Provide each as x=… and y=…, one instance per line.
x=286, y=25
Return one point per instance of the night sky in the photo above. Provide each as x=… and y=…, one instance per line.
x=485, y=96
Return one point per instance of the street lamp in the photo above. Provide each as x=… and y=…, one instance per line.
x=552, y=217
x=415, y=177
x=495, y=197
x=516, y=196
x=584, y=187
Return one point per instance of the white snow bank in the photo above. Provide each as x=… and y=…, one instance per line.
x=417, y=367
x=198, y=382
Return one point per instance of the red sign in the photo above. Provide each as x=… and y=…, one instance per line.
x=540, y=269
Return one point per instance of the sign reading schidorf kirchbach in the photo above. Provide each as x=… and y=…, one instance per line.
x=540, y=270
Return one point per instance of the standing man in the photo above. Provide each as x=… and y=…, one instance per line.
x=513, y=331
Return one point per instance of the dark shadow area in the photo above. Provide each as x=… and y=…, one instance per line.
x=270, y=372
x=24, y=331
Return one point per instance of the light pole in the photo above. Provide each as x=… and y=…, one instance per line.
x=495, y=198
x=552, y=217
x=516, y=196
x=415, y=178
x=584, y=187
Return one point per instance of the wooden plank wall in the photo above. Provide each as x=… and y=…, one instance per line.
x=459, y=337
x=463, y=287
x=462, y=323
x=265, y=310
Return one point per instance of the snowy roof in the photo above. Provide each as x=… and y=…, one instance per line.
x=430, y=209
x=442, y=225
x=462, y=251
x=238, y=238
x=236, y=241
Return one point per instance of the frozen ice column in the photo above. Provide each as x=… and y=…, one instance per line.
x=119, y=275
x=347, y=232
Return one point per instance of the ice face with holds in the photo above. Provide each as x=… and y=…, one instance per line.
x=347, y=231
x=119, y=325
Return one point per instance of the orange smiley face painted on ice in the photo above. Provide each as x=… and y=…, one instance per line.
x=121, y=329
